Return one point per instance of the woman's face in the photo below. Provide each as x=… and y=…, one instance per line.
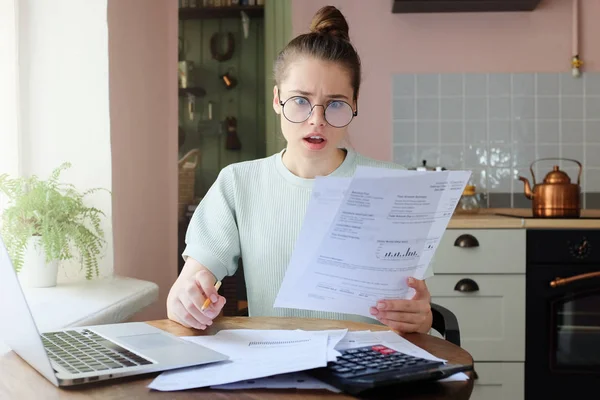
x=316, y=83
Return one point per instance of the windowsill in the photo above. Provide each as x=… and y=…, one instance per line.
x=99, y=301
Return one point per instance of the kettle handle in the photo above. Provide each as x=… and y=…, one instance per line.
x=552, y=158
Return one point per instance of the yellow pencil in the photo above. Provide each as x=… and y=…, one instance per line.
x=207, y=301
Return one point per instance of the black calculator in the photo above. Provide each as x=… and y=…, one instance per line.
x=372, y=367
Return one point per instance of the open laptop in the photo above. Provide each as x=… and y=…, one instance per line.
x=88, y=354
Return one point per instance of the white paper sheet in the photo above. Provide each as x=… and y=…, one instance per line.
x=398, y=343
x=294, y=380
x=253, y=354
x=333, y=338
x=384, y=229
x=327, y=194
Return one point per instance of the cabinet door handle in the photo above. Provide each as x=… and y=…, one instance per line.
x=466, y=285
x=466, y=240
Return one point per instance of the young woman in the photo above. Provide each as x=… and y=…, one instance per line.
x=255, y=208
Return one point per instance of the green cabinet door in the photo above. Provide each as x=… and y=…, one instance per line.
x=278, y=32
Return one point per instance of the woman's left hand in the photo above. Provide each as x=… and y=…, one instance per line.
x=406, y=316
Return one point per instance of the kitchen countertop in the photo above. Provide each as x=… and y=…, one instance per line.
x=487, y=218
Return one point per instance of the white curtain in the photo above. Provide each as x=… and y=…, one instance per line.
x=62, y=93
x=9, y=100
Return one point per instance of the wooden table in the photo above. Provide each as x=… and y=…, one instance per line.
x=20, y=381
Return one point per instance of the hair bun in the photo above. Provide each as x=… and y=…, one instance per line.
x=330, y=21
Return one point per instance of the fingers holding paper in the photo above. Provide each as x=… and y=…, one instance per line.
x=406, y=316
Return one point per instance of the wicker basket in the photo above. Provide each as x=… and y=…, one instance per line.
x=187, y=179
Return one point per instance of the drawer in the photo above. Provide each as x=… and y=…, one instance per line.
x=485, y=251
x=499, y=381
x=491, y=319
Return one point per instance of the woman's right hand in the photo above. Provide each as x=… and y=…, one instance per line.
x=185, y=300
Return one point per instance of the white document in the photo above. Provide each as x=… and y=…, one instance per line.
x=384, y=228
x=293, y=380
x=398, y=343
x=388, y=338
x=253, y=354
x=333, y=338
x=327, y=195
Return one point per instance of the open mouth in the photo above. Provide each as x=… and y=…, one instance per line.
x=314, y=139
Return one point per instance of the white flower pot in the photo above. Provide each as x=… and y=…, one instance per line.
x=35, y=271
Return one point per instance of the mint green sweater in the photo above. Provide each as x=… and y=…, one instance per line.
x=254, y=210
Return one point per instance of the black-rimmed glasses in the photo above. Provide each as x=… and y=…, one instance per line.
x=298, y=109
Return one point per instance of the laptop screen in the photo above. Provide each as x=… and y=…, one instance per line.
x=21, y=333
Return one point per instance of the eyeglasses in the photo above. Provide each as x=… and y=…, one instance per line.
x=298, y=109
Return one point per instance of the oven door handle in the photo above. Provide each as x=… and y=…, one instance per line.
x=563, y=281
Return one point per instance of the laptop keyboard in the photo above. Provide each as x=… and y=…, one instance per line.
x=85, y=351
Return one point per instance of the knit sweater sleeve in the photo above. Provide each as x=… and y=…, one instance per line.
x=212, y=237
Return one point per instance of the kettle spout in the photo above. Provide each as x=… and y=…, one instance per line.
x=528, y=192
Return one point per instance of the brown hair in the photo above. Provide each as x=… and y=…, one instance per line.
x=328, y=40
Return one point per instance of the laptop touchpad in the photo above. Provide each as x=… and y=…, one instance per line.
x=149, y=341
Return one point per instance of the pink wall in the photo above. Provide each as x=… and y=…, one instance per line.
x=143, y=111
x=143, y=96
x=466, y=42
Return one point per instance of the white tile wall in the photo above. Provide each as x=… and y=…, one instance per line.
x=497, y=124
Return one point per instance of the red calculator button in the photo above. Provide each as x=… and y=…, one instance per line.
x=378, y=348
x=387, y=351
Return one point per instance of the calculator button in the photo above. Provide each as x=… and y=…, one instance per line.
x=378, y=347
x=388, y=351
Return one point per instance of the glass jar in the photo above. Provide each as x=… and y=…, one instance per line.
x=468, y=203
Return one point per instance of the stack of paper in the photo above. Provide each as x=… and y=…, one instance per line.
x=254, y=354
x=276, y=358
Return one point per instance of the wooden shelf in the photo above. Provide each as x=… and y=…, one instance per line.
x=220, y=12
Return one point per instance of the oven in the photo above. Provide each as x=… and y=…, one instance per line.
x=562, y=341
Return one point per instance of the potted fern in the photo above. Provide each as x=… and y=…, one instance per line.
x=46, y=222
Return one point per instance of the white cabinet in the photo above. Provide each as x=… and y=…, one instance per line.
x=499, y=381
x=479, y=274
x=491, y=319
x=489, y=251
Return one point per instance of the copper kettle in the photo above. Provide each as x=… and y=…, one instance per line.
x=557, y=197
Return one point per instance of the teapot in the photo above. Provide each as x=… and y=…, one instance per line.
x=556, y=197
